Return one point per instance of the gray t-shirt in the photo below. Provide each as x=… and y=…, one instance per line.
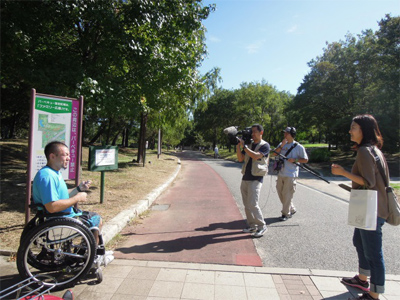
x=290, y=169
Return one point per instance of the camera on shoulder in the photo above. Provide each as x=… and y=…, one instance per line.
x=234, y=135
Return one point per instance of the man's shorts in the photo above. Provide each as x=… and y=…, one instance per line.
x=89, y=218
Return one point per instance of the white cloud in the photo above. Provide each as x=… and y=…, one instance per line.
x=214, y=39
x=255, y=47
x=292, y=29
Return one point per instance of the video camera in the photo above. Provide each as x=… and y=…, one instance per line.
x=233, y=135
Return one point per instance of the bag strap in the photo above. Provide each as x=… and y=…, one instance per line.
x=290, y=149
x=380, y=168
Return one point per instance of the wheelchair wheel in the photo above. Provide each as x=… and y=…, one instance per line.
x=63, y=248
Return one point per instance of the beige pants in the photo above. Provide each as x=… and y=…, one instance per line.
x=286, y=186
x=251, y=195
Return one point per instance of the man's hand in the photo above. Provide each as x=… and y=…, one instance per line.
x=81, y=197
x=241, y=142
x=85, y=185
x=284, y=142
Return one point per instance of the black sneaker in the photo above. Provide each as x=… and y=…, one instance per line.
x=284, y=218
x=364, y=296
x=356, y=282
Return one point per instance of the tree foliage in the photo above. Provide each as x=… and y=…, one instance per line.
x=253, y=103
x=114, y=52
x=356, y=76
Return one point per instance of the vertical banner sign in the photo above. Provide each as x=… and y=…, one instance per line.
x=54, y=119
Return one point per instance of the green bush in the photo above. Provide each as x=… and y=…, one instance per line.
x=319, y=155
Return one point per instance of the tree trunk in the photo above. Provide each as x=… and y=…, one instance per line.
x=142, y=137
x=98, y=134
x=126, y=139
x=109, y=131
x=115, y=138
x=123, y=137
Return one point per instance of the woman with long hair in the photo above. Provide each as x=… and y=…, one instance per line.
x=364, y=131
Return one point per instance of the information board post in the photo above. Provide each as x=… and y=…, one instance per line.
x=102, y=179
x=103, y=158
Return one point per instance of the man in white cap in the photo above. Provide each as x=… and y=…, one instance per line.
x=286, y=182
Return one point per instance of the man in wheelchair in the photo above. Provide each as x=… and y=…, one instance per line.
x=50, y=190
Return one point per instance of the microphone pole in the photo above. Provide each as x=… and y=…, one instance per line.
x=298, y=164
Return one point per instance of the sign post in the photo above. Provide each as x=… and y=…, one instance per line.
x=53, y=118
x=103, y=158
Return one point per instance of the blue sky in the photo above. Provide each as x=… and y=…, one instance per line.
x=252, y=40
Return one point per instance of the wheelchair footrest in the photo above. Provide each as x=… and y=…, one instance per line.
x=101, y=251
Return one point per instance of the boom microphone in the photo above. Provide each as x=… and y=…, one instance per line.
x=231, y=130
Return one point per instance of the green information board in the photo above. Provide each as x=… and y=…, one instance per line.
x=103, y=158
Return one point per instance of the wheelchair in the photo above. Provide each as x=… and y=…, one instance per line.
x=59, y=247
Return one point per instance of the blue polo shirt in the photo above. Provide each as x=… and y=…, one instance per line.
x=49, y=185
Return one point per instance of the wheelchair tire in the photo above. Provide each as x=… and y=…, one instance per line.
x=99, y=276
x=28, y=227
x=63, y=248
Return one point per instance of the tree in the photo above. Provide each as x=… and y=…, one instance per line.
x=355, y=76
x=114, y=52
x=253, y=103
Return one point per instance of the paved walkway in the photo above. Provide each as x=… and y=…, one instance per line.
x=195, y=220
x=151, y=280
x=158, y=275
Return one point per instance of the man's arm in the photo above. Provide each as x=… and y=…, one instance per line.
x=252, y=154
x=298, y=160
x=239, y=154
x=300, y=154
x=60, y=205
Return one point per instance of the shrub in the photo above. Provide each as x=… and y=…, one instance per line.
x=319, y=155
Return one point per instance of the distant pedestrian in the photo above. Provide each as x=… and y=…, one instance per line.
x=286, y=181
x=216, y=155
x=364, y=131
x=254, y=168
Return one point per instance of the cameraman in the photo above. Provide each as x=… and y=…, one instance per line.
x=254, y=168
x=286, y=182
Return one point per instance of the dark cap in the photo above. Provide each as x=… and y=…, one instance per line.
x=290, y=130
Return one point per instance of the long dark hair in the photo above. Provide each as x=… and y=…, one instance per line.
x=370, y=130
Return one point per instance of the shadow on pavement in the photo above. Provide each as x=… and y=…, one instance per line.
x=185, y=243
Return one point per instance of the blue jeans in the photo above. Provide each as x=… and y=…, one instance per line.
x=370, y=255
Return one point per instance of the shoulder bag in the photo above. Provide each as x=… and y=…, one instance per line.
x=393, y=202
x=278, y=163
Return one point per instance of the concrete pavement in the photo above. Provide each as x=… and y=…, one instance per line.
x=150, y=279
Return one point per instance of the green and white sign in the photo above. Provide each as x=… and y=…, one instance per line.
x=54, y=119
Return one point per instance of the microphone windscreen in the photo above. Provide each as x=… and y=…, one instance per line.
x=231, y=130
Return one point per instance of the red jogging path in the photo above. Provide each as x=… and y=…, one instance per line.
x=198, y=222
